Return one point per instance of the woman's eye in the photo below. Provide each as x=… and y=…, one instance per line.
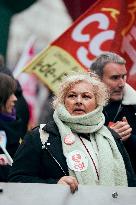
x=87, y=97
x=71, y=96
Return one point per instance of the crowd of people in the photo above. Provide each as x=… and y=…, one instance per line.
x=89, y=138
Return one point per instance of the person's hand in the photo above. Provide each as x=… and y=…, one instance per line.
x=71, y=181
x=122, y=128
x=3, y=160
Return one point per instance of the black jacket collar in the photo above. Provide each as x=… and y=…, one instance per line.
x=51, y=127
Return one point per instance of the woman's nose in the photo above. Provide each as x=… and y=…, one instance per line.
x=14, y=98
x=79, y=99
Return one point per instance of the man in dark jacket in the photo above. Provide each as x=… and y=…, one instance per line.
x=120, y=113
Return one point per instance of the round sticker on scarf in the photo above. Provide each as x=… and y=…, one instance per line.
x=69, y=139
x=77, y=161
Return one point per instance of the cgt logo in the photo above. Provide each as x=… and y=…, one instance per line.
x=89, y=41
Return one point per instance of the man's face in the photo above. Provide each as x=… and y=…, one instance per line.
x=114, y=76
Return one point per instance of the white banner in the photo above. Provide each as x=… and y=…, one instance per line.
x=44, y=194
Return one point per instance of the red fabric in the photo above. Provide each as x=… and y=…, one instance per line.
x=132, y=80
x=124, y=41
x=77, y=7
x=92, y=33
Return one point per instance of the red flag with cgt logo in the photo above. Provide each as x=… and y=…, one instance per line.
x=105, y=26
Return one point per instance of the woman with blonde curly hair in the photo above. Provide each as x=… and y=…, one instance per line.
x=76, y=148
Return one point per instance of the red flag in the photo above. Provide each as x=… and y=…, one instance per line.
x=105, y=26
x=128, y=41
x=93, y=32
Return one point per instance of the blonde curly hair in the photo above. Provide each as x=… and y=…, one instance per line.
x=99, y=88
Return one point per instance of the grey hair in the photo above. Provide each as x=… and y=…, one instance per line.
x=99, y=88
x=105, y=58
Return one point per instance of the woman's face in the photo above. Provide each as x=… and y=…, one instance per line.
x=80, y=99
x=10, y=103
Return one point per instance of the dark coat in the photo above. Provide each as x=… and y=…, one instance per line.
x=13, y=132
x=22, y=109
x=128, y=111
x=32, y=164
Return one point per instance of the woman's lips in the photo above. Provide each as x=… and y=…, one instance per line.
x=79, y=111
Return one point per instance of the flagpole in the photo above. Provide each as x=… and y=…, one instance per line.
x=23, y=60
x=10, y=160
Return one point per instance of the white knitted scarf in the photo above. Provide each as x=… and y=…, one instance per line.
x=112, y=170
